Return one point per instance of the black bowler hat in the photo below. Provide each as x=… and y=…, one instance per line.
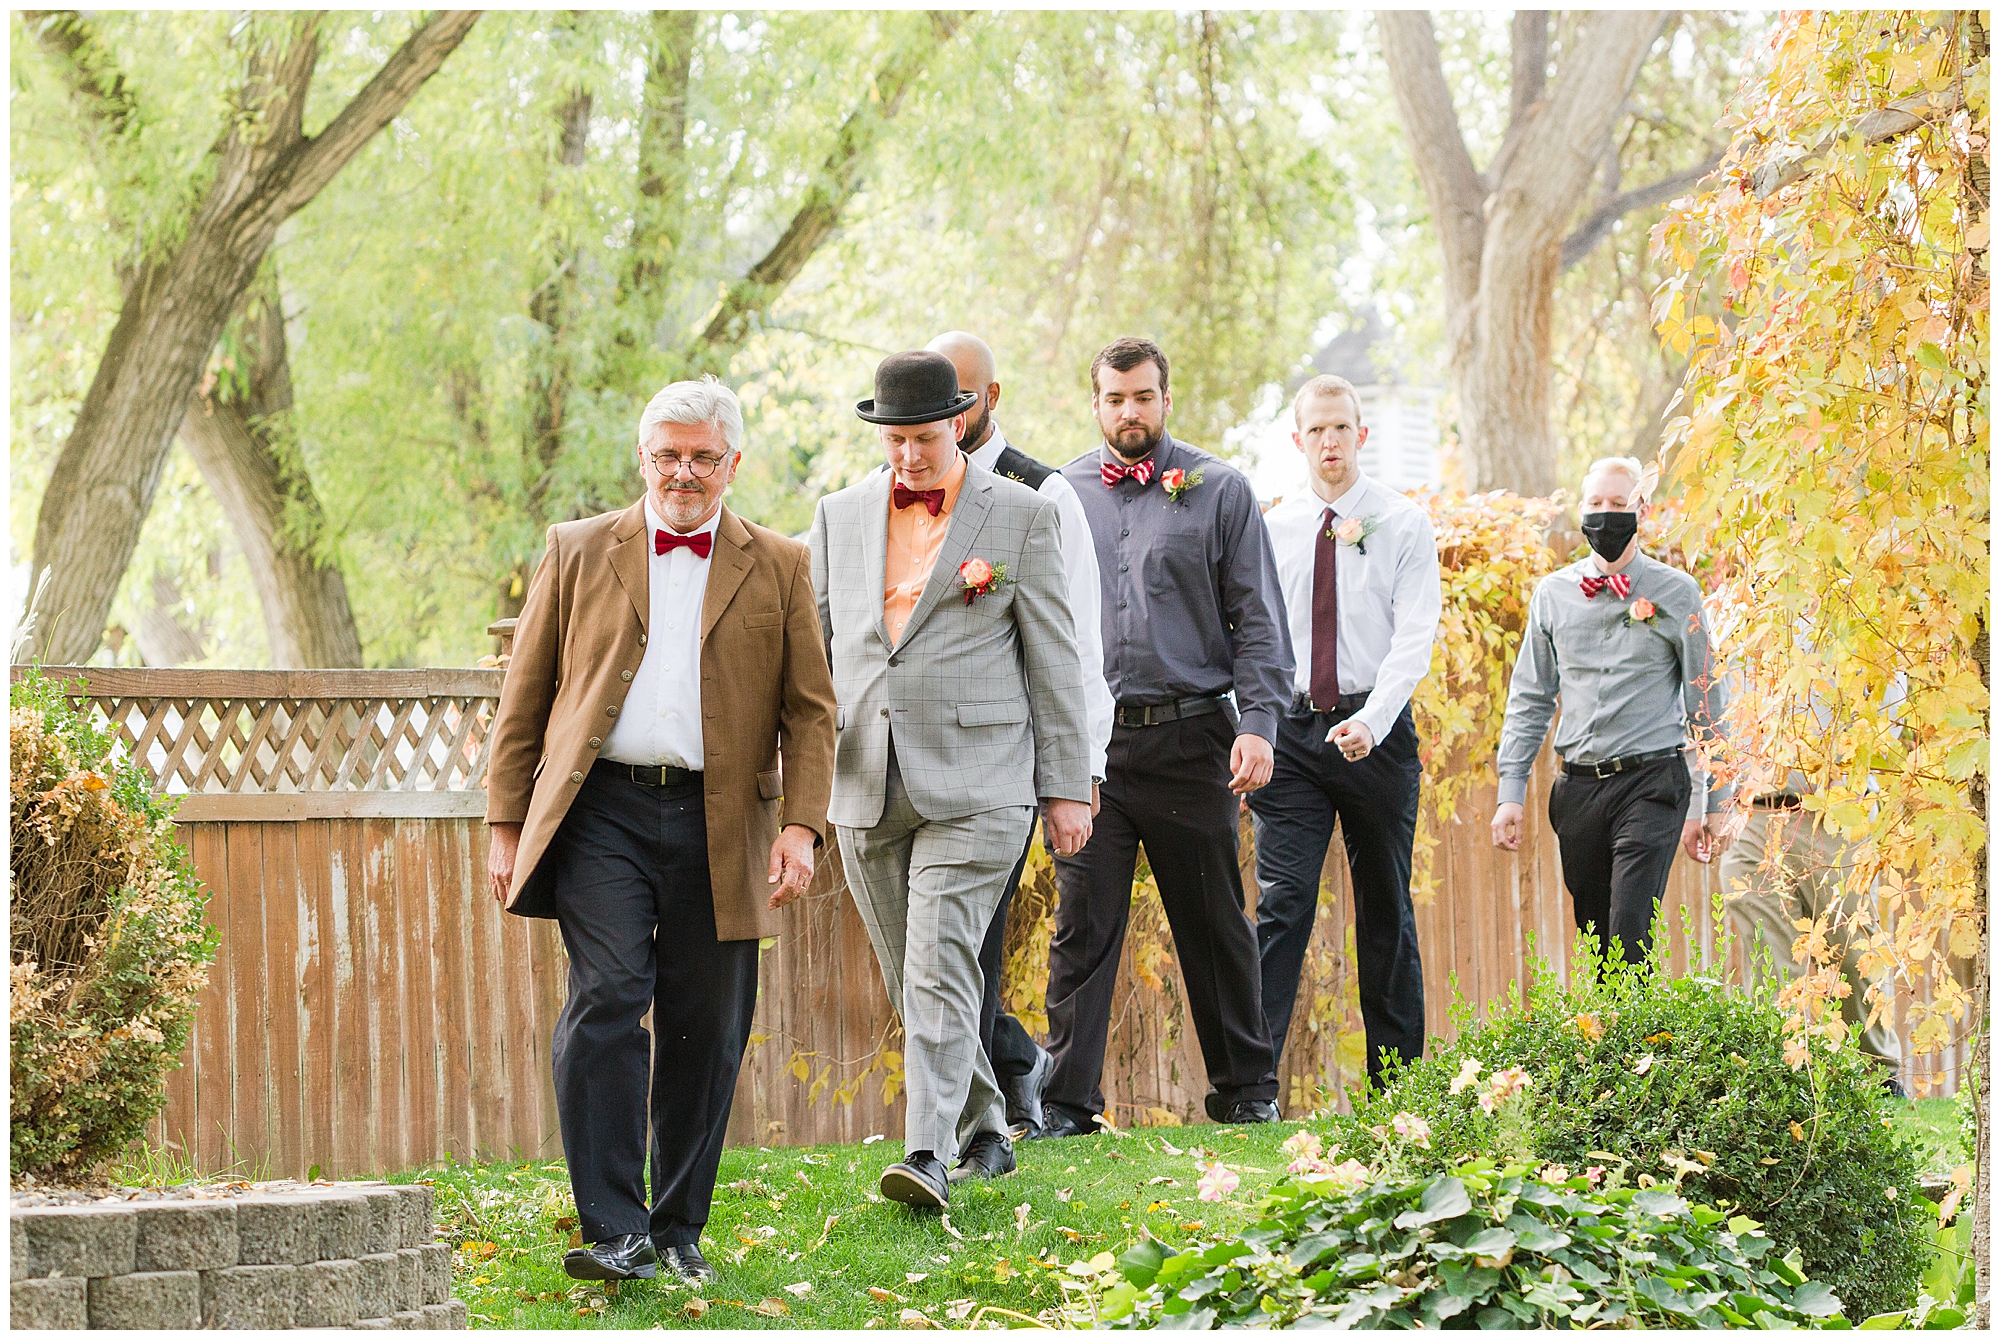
x=915, y=387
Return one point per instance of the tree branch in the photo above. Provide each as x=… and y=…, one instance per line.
x=1452, y=184
x=658, y=215
x=1884, y=123
x=838, y=180
x=1530, y=63
x=95, y=81
x=1597, y=226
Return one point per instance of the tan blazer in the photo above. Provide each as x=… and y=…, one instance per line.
x=765, y=692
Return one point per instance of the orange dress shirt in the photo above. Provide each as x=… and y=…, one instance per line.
x=915, y=537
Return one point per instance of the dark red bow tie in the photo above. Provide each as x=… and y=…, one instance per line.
x=1619, y=582
x=665, y=541
x=1143, y=472
x=932, y=499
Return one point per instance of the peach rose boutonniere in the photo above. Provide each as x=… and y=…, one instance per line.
x=1355, y=531
x=1640, y=611
x=978, y=578
x=1178, y=482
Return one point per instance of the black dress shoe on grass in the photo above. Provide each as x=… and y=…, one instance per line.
x=687, y=1262
x=1057, y=1123
x=1252, y=1111
x=627, y=1257
x=919, y=1181
x=1216, y=1107
x=990, y=1154
x=1024, y=1095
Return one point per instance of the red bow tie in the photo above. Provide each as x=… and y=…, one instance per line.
x=665, y=541
x=1143, y=472
x=1619, y=582
x=932, y=499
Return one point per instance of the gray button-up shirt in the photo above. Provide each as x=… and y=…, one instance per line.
x=1191, y=601
x=1626, y=688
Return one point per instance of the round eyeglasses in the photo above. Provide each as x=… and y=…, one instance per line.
x=700, y=467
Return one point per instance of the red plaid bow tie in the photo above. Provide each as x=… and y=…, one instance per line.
x=932, y=499
x=665, y=541
x=1143, y=472
x=1619, y=582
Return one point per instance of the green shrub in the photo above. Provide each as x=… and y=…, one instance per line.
x=1683, y=1081
x=107, y=944
x=1497, y=1248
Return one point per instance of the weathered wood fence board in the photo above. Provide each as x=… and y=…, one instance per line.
x=371, y=1009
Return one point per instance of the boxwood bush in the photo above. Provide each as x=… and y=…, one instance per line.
x=107, y=944
x=1682, y=1082
x=1495, y=1248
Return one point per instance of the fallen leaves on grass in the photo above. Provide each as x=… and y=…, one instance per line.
x=773, y=1307
x=478, y=1251
x=873, y=1138
x=958, y=1309
x=945, y=1219
x=915, y=1277
x=914, y=1320
x=1021, y=1213
x=799, y=1290
x=1064, y=1195
x=882, y=1295
x=694, y=1308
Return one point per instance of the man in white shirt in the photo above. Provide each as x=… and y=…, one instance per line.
x=1358, y=566
x=1019, y=1063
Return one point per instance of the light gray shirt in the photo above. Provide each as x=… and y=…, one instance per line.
x=1627, y=687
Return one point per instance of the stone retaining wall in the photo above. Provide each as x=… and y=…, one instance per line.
x=359, y=1255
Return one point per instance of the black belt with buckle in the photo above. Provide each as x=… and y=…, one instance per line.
x=661, y=775
x=1776, y=802
x=1346, y=702
x=1158, y=714
x=1611, y=767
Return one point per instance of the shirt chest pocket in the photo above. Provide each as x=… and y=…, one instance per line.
x=1176, y=557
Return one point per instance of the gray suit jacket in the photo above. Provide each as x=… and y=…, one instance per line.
x=985, y=699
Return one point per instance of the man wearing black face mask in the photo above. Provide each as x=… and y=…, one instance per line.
x=1621, y=638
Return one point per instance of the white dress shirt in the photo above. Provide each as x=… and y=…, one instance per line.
x=661, y=719
x=1388, y=588
x=1080, y=572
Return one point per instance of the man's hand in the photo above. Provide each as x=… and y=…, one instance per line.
x=1065, y=826
x=1703, y=838
x=500, y=855
x=1249, y=764
x=1507, y=826
x=1355, y=740
x=791, y=864
x=1095, y=803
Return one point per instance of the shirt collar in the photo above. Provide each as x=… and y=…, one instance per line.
x=989, y=455
x=653, y=522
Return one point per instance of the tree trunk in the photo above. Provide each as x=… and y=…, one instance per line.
x=1982, y=1049
x=244, y=442
x=1502, y=230
x=177, y=305
x=163, y=639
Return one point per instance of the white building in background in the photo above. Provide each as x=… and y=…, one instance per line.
x=1403, y=438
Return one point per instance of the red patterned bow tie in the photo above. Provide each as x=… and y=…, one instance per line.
x=1143, y=472
x=665, y=541
x=932, y=499
x=1619, y=582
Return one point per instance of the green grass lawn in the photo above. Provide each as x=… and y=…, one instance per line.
x=786, y=1219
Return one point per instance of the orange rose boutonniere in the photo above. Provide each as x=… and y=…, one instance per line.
x=1178, y=482
x=978, y=577
x=1640, y=611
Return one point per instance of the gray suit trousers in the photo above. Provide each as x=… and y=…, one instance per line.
x=927, y=891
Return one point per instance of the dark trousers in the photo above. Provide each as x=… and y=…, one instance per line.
x=1009, y=1049
x=1375, y=801
x=638, y=919
x=1617, y=837
x=1166, y=787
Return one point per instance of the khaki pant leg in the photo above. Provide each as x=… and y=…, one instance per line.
x=1762, y=902
x=1825, y=864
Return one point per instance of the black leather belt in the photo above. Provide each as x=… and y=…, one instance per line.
x=1611, y=767
x=1158, y=714
x=650, y=774
x=1347, y=702
x=1775, y=802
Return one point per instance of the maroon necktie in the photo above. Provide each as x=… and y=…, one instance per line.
x=1112, y=472
x=665, y=541
x=1619, y=582
x=1325, y=684
x=932, y=499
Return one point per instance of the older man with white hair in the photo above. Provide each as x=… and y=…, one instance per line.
x=667, y=662
x=1622, y=639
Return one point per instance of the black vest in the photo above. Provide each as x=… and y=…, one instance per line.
x=1022, y=468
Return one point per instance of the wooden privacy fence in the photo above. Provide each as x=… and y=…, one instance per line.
x=372, y=1009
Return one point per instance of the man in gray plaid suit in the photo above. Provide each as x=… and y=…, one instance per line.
x=942, y=599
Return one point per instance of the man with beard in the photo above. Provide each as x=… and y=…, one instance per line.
x=1622, y=639
x=1022, y=1067
x=1192, y=614
x=668, y=658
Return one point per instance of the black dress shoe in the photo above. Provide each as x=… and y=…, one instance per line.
x=688, y=1262
x=1216, y=1107
x=1057, y=1123
x=1251, y=1111
x=990, y=1154
x=627, y=1257
x=1024, y=1095
x=918, y=1181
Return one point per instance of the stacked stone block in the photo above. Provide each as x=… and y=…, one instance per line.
x=356, y=1255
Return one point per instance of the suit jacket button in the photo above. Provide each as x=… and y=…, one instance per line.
x=595, y=741
x=576, y=777
x=625, y=674
x=612, y=710
x=893, y=661
x=885, y=711
x=642, y=639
